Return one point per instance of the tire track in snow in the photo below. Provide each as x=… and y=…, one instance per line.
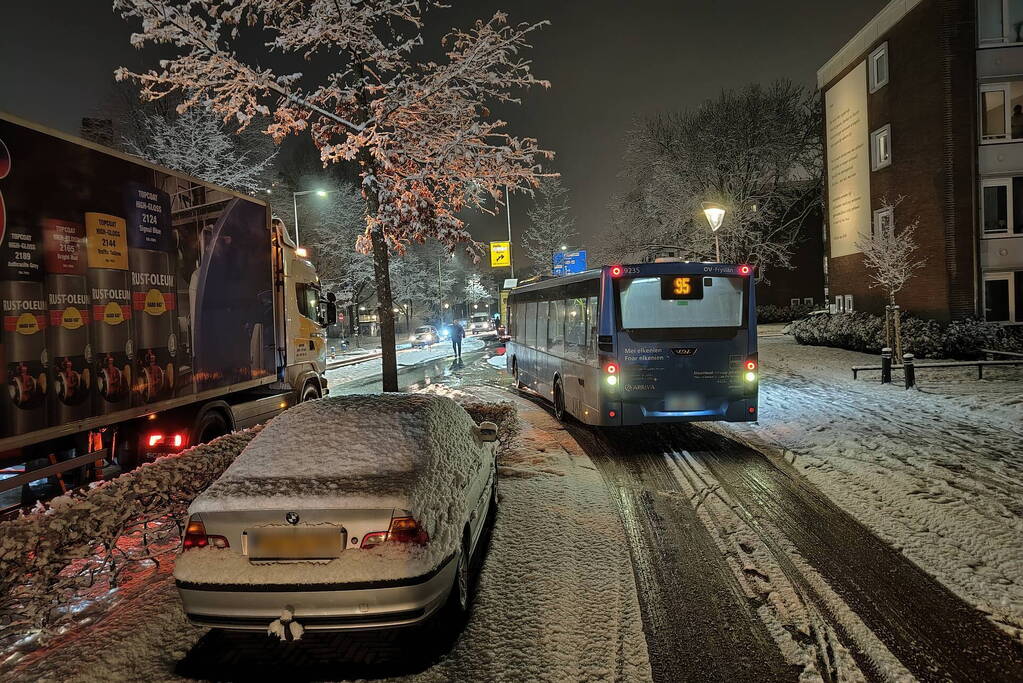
x=931, y=631
x=699, y=623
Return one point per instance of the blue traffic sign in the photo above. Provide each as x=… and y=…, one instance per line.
x=569, y=262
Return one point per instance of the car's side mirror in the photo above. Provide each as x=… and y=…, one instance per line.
x=488, y=432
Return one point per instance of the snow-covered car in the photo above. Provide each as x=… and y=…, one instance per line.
x=346, y=513
x=480, y=322
x=424, y=336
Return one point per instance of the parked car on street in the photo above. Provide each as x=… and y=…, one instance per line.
x=348, y=513
x=424, y=336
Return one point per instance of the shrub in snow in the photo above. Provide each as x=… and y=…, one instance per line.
x=71, y=550
x=769, y=313
x=923, y=338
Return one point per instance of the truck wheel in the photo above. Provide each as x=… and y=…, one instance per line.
x=212, y=425
x=310, y=393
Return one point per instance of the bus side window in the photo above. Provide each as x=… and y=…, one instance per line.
x=575, y=329
x=541, y=325
x=591, y=329
x=530, y=324
x=556, y=328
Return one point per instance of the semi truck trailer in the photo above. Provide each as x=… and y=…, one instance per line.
x=144, y=311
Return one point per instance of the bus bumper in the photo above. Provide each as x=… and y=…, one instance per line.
x=640, y=412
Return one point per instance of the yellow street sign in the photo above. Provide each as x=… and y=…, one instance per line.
x=500, y=254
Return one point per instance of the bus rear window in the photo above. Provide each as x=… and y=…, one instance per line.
x=645, y=305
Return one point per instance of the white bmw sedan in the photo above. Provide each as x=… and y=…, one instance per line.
x=354, y=512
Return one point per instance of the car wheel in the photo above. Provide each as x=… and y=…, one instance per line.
x=559, y=401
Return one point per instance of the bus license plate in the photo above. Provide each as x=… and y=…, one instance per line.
x=296, y=543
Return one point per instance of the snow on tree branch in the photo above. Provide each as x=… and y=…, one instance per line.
x=888, y=252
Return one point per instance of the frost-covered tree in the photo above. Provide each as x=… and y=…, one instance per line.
x=756, y=151
x=552, y=225
x=421, y=131
x=199, y=143
x=475, y=291
x=889, y=257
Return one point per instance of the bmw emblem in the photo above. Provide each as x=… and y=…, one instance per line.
x=291, y=517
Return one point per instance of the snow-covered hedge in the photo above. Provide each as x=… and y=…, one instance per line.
x=769, y=313
x=923, y=338
x=77, y=546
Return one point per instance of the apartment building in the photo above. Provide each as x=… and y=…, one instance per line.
x=925, y=103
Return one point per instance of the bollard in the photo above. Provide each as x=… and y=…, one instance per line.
x=886, y=366
x=910, y=372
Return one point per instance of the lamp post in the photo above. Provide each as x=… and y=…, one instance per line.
x=294, y=204
x=715, y=216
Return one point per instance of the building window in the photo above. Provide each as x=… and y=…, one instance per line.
x=881, y=148
x=794, y=302
x=848, y=303
x=999, y=21
x=1001, y=112
x=1003, y=297
x=839, y=303
x=1001, y=207
x=808, y=301
x=879, y=67
x=884, y=219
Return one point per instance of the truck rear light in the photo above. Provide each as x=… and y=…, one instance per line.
x=158, y=441
x=403, y=530
x=196, y=537
x=155, y=440
x=178, y=440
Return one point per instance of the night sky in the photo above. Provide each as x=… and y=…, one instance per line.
x=608, y=62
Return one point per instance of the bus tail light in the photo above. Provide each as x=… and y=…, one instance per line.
x=745, y=270
x=749, y=369
x=612, y=374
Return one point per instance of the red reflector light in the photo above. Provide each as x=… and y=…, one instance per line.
x=745, y=270
x=155, y=440
x=616, y=271
x=611, y=368
x=752, y=410
x=612, y=413
x=751, y=365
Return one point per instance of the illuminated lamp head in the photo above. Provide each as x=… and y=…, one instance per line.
x=745, y=270
x=616, y=271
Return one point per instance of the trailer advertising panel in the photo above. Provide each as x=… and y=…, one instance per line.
x=122, y=285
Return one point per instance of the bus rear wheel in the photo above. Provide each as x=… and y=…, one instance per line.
x=515, y=374
x=559, y=401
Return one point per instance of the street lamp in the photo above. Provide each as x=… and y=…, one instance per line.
x=294, y=203
x=715, y=216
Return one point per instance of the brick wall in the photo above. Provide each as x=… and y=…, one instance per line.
x=929, y=102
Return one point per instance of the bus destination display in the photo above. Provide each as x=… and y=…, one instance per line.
x=681, y=287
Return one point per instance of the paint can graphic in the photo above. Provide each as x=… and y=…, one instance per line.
x=68, y=304
x=153, y=292
x=24, y=330
x=111, y=338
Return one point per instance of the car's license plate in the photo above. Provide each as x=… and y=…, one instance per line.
x=295, y=543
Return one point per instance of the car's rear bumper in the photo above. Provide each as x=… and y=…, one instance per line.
x=350, y=606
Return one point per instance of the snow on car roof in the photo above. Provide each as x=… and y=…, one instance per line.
x=407, y=451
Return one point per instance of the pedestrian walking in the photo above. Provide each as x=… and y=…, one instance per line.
x=457, y=334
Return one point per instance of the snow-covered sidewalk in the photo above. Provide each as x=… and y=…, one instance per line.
x=938, y=472
x=372, y=367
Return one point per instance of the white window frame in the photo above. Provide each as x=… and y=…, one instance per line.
x=1006, y=91
x=808, y=301
x=879, y=214
x=794, y=302
x=876, y=163
x=849, y=303
x=1005, y=37
x=1007, y=276
x=839, y=303
x=879, y=52
x=1007, y=184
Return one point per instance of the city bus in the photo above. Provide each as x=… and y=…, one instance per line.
x=668, y=341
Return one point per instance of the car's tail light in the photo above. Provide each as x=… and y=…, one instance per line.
x=403, y=530
x=196, y=537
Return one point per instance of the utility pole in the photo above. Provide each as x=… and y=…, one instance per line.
x=511, y=251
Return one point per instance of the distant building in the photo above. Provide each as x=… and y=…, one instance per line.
x=926, y=103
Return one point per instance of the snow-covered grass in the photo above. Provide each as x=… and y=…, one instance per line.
x=937, y=472
x=371, y=368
